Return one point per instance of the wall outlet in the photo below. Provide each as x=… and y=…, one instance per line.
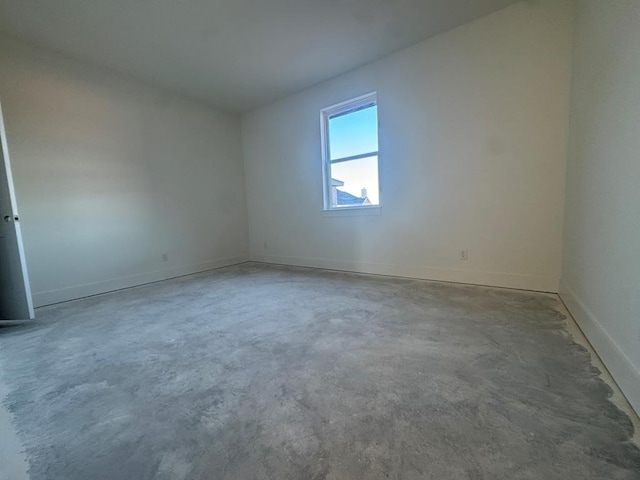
x=265, y=246
x=165, y=257
x=463, y=254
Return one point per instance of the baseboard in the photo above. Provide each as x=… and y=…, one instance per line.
x=493, y=279
x=49, y=297
x=623, y=371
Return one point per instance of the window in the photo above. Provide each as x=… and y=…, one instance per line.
x=350, y=154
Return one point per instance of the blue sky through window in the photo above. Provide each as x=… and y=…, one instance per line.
x=355, y=134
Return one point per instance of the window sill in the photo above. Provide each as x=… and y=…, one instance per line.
x=352, y=211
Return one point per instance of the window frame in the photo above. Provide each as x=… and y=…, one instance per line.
x=336, y=110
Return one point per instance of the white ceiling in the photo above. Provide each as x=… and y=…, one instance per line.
x=234, y=54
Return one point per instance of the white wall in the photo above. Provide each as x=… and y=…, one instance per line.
x=110, y=174
x=473, y=148
x=601, y=265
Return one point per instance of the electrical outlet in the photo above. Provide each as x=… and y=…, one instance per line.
x=265, y=246
x=463, y=254
x=165, y=257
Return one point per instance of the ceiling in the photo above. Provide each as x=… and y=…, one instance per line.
x=234, y=54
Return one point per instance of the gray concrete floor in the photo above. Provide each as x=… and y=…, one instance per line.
x=265, y=372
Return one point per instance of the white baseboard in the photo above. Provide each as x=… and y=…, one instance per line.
x=49, y=297
x=623, y=371
x=493, y=279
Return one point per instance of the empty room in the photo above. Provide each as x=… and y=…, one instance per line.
x=307, y=240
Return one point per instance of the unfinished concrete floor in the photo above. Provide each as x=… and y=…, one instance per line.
x=264, y=372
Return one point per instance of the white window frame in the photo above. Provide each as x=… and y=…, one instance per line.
x=344, y=108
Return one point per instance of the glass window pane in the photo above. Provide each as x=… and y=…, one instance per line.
x=354, y=133
x=355, y=183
